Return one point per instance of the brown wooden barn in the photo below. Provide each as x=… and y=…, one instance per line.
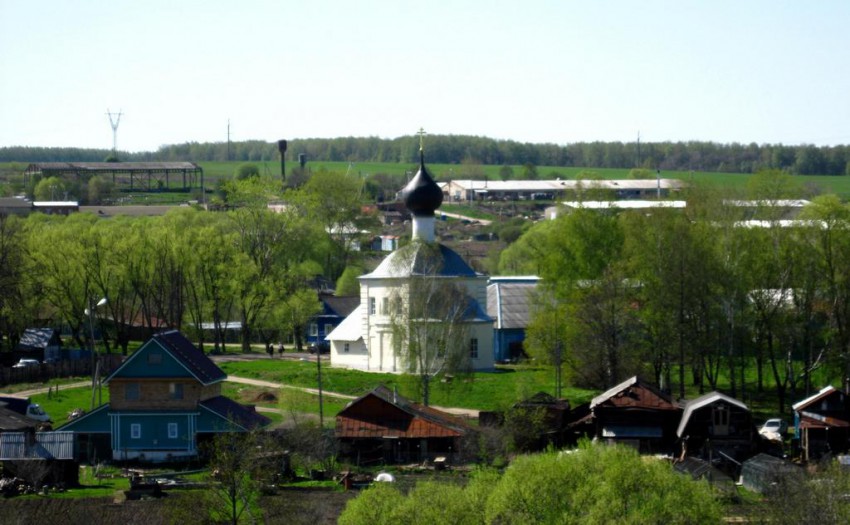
x=384, y=427
x=633, y=413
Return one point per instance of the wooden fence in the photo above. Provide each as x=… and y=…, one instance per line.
x=65, y=368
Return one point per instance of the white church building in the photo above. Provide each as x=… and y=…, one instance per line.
x=364, y=340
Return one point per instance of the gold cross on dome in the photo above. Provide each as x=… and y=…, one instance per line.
x=421, y=134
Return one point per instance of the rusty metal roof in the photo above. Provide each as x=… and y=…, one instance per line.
x=383, y=414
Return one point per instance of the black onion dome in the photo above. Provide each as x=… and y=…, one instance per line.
x=422, y=195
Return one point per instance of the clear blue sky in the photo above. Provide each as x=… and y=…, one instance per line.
x=538, y=71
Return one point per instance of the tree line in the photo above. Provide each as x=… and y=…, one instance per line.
x=181, y=270
x=692, y=297
x=804, y=159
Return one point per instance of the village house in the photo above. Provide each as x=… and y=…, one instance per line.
x=165, y=401
x=334, y=310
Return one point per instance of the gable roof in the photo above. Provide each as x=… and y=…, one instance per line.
x=185, y=353
x=341, y=305
x=695, y=404
x=824, y=392
x=509, y=303
x=615, y=395
x=422, y=421
x=38, y=338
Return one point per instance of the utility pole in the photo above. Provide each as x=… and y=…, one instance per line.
x=114, y=123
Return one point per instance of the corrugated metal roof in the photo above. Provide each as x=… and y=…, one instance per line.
x=624, y=204
x=509, y=303
x=377, y=422
x=45, y=445
x=643, y=396
x=825, y=391
x=559, y=185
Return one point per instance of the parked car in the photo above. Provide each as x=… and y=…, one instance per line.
x=774, y=428
x=26, y=363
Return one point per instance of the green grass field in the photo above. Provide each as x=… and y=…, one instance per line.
x=214, y=171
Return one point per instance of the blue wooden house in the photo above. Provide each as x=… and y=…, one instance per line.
x=509, y=302
x=164, y=402
x=334, y=311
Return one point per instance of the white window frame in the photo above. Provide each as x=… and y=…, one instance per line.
x=371, y=306
x=135, y=431
x=173, y=431
x=328, y=328
x=314, y=329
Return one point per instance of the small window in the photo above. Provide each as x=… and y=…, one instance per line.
x=136, y=431
x=154, y=358
x=371, y=306
x=172, y=430
x=329, y=328
x=345, y=348
x=473, y=348
x=131, y=392
x=314, y=330
x=385, y=306
x=176, y=390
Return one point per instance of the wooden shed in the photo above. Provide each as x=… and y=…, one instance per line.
x=384, y=427
x=716, y=426
x=633, y=413
x=822, y=423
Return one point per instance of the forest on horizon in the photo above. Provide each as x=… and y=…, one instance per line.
x=805, y=159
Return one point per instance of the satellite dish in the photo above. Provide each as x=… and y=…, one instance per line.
x=385, y=477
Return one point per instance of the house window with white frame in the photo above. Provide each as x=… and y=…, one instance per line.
x=136, y=431
x=385, y=306
x=329, y=328
x=371, y=306
x=346, y=348
x=172, y=431
x=314, y=330
x=473, y=348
